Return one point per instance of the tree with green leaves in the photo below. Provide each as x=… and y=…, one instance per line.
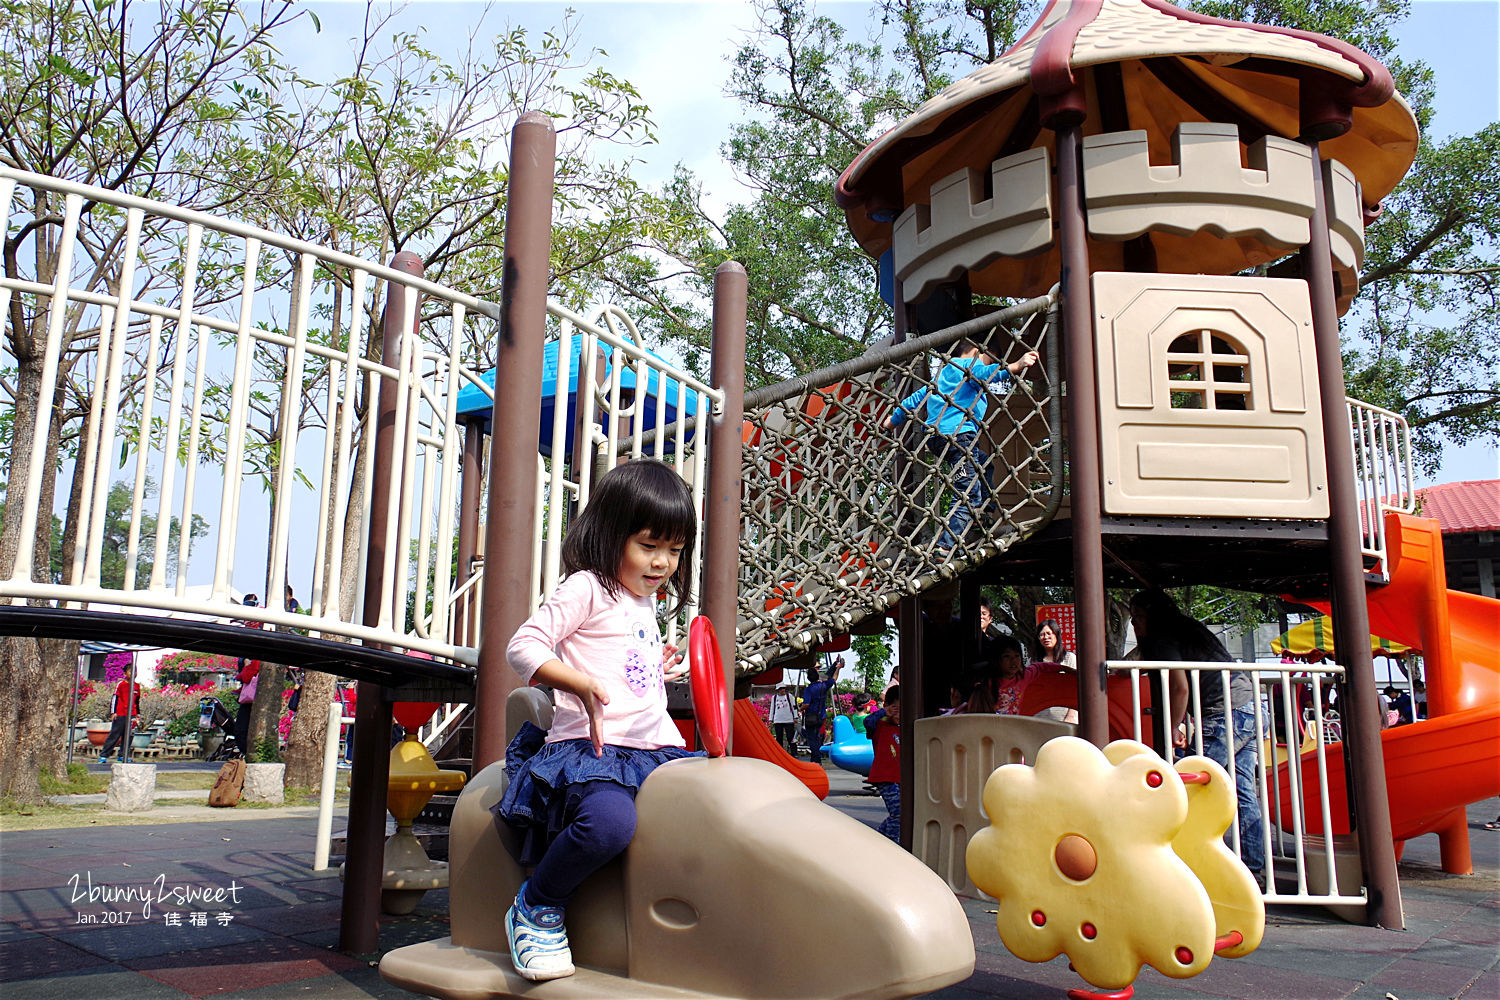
x=189, y=103
x=406, y=159
x=1420, y=340
x=130, y=97
x=872, y=659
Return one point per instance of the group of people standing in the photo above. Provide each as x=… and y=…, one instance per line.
x=812, y=713
x=1004, y=670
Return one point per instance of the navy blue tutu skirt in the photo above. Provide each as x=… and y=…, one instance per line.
x=548, y=780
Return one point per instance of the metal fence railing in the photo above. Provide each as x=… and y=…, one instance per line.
x=215, y=405
x=1300, y=800
x=629, y=403
x=1382, y=474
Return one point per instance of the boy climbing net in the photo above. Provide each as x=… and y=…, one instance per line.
x=954, y=413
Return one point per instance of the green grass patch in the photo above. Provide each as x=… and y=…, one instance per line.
x=78, y=782
x=184, y=781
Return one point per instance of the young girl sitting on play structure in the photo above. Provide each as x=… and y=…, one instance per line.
x=596, y=643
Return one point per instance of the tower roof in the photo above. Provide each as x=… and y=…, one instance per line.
x=1142, y=64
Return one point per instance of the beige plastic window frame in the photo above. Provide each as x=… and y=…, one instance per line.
x=1222, y=368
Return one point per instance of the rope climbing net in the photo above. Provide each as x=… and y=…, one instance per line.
x=843, y=515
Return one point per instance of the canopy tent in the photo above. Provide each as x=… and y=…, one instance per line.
x=1316, y=636
x=475, y=402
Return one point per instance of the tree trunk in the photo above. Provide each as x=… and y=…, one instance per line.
x=1116, y=626
x=304, y=743
x=34, y=674
x=265, y=712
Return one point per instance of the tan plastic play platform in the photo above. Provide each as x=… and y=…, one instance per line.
x=739, y=883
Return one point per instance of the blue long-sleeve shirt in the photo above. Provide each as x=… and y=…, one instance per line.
x=964, y=381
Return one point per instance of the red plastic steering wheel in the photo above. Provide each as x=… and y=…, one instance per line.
x=706, y=680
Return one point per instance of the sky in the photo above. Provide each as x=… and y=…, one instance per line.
x=677, y=55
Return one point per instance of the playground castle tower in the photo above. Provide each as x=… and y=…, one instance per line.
x=1147, y=157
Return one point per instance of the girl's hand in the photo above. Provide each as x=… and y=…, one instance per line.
x=594, y=698
x=673, y=663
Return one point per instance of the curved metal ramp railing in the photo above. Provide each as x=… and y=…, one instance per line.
x=216, y=406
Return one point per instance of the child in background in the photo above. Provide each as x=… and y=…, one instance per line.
x=884, y=728
x=596, y=643
x=954, y=413
x=1001, y=693
x=1016, y=676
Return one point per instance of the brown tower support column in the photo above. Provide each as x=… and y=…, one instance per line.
x=471, y=485
x=908, y=624
x=1351, y=616
x=1083, y=438
x=721, y=497
x=516, y=425
x=909, y=655
x=359, y=917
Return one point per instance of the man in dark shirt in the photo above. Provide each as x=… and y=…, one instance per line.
x=815, y=709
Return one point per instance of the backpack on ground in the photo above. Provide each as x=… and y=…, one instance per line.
x=228, y=785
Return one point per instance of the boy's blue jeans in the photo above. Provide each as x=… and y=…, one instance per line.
x=970, y=471
x=890, y=794
x=1246, y=747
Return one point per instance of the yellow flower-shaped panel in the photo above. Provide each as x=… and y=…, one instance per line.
x=1232, y=890
x=1079, y=855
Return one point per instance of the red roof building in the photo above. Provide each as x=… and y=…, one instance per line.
x=1470, y=515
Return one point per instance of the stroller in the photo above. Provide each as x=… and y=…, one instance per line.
x=213, y=715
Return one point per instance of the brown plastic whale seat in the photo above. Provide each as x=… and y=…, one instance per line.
x=739, y=883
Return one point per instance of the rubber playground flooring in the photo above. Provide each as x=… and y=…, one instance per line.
x=90, y=912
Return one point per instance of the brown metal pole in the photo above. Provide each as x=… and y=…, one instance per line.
x=1083, y=439
x=908, y=625
x=1351, y=616
x=359, y=919
x=909, y=656
x=471, y=485
x=516, y=424
x=721, y=501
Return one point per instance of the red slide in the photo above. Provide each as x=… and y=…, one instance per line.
x=753, y=739
x=1436, y=766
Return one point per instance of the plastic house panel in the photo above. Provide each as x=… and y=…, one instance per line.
x=955, y=755
x=1208, y=398
x=1205, y=189
x=962, y=230
x=1346, y=219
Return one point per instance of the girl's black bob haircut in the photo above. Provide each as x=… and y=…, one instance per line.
x=641, y=495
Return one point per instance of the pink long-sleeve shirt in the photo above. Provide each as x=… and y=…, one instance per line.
x=613, y=639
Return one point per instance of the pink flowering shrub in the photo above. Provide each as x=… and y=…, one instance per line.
x=115, y=667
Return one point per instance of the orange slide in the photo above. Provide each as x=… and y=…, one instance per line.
x=753, y=739
x=1437, y=766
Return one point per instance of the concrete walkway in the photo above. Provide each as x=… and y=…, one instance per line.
x=85, y=912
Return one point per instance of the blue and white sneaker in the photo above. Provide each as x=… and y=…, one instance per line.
x=538, y=940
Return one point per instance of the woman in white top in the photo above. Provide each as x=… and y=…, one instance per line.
x=1050, y=649
x=784, y=717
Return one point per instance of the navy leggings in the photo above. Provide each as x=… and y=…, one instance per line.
x=600, y=829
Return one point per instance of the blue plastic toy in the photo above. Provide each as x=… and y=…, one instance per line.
x=850, y=750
